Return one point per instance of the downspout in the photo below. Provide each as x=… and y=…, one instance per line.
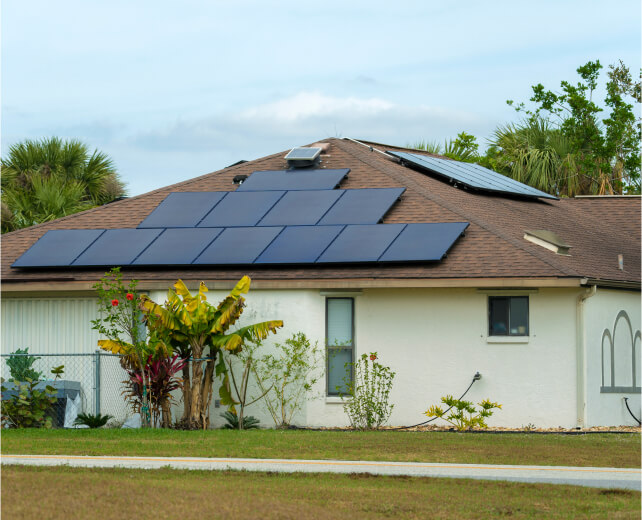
x=581, y=355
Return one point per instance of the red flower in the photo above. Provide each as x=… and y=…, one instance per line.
x=373, y=357
x=129, y=296
x=114, y=303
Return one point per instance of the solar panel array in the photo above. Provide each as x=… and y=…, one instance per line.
x=471, y=175
x=283, y=218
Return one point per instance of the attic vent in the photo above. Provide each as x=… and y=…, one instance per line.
x=239, y=179
x=549, y=240
x=303, y=157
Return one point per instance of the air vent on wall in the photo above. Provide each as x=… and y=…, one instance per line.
x=303, y=157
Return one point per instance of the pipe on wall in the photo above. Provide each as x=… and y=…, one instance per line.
x=581, y=355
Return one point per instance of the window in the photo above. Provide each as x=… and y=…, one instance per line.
x=339, y=315
x=508, y=315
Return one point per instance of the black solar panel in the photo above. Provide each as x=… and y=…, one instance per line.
x=365, y=206
x=471, y=175
x=424, y=242
x=296, y=179
x=241, y=209
x=177, y=246
x=361, y=243
x=299, y=245
x=301, y=208
x=117, y=247
x=58, y=247
x=182, y=209
x=238, y=245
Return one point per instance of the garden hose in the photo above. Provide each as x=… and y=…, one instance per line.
x=476, y=377
x=626, y=402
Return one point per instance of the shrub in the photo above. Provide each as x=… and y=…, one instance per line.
x=288, y=377
x=465, y=416
x=30, y=407
x=249, y=423
x=20, y=365
x=369, y=393
x=92, y=421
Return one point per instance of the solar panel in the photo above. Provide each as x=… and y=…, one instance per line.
x=182, y=209
x=177, y=246
x=471, y=175
x=241, y=209
x=299, y=245
x=424, y=242
x=238, y=245
x=361, y=243
x=303, y=154
x=301, y=208
x=59, y=247
x=296, y=179
x=117, y=247
x=364, y=206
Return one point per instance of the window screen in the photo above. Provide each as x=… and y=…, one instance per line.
x=340, y=343
x=508, y=316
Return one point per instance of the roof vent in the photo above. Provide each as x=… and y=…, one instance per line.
x=239, y=179
x=303, y=157
x=549, y=240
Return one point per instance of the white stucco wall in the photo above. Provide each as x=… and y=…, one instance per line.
x=601, y=312
x=435, y=340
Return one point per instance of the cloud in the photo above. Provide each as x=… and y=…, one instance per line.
x=307, y=116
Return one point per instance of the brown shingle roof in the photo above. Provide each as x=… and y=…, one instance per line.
x=598, y=228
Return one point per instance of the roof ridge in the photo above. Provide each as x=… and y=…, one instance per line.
x=438, y=200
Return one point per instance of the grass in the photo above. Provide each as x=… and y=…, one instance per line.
x=605, y=450
x=62, y=493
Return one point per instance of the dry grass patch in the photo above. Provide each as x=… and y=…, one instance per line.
x=62, y=493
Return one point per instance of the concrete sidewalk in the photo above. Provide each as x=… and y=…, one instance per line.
x=623, y=478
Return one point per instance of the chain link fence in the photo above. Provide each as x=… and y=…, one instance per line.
x=90, y=383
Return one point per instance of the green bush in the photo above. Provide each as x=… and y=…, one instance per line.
x=20, y=365
x=464, y=416
x=91, y=420
x=249, y=423
x=30, y=407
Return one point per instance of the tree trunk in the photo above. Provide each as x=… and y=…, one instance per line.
x=166, y=408
x=206, y=391
x=186, y=392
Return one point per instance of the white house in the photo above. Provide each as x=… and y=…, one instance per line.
x=463, y=275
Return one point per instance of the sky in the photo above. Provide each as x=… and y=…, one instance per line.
x=173, y=90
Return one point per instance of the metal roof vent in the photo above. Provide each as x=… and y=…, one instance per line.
x=549, y=240
x=303, y=157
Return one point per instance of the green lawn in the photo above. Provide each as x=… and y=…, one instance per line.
x=64, y=493
x=606, y=450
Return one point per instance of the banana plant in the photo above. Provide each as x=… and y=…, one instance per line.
x=189, y=324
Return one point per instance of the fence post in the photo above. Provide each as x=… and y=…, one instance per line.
x=97, y=382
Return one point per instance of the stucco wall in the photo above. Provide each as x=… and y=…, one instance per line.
x=601, y=312
x=436, y=339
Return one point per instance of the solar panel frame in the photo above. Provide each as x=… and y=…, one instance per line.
x=299, y=245
x=238, y=246
x=361, y=243
x=471, y=175
x=182, y=209
x=362, y=206
x=116, y=247
x=303, y=154
x=297, y=179
x=428, y=242
x=301, y=208
x=177, y=246
x=241, y=209
x=59, y=247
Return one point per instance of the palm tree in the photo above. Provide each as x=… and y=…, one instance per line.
x=463, y=148
x=537, y=154
x=50, y=178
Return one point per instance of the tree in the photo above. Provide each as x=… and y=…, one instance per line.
x=463, y=148
x=197, y=329
x=50, y=178
x=605, y=152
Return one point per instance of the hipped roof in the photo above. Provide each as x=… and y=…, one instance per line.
x=598, y=229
